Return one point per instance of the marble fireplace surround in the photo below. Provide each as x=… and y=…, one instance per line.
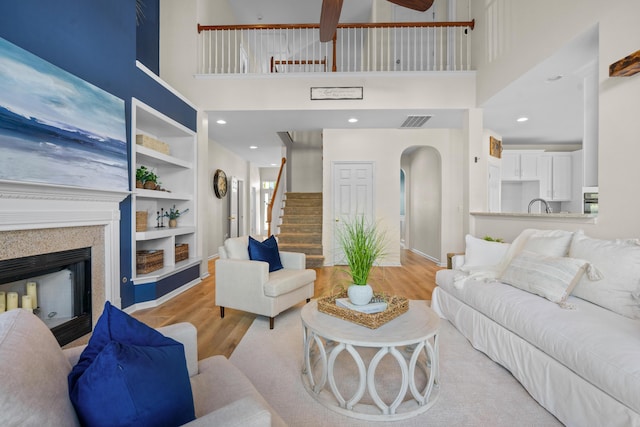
x=40, y=218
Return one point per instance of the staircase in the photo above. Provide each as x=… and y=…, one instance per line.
x=301, y=227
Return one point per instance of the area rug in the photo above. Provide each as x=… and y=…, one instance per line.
x=474, y=391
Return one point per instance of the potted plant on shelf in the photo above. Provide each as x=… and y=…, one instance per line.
x=145, y=178
x=173, y=214
x=362, y=243
x=151, y=181
x=141, y=176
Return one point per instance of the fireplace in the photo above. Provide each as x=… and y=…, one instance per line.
x=58, y=289
x=38, y=219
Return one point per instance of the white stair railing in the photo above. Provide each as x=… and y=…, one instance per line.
x=417, y=46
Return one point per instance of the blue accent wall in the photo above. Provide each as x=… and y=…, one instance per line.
x=148, y=36
x=96, y=40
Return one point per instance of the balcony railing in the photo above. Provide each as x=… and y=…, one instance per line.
x=265, y=49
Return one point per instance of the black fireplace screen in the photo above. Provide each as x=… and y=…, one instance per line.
x=56, y=286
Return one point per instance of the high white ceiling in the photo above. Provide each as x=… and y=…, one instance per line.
x=555, y=109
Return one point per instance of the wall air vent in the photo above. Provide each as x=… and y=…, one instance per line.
x=415, y=121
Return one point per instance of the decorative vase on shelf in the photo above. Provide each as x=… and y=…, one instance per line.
x=360, y=294
x=173, y=223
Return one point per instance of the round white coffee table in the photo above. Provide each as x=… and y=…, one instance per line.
x=411, y=339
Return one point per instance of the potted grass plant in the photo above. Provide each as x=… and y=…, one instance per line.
x=363, y=244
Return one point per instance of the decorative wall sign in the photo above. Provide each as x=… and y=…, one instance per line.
x=322, y=93
x=56, y=128
x=495, y=147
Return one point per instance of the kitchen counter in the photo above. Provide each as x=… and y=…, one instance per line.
x=563, y=217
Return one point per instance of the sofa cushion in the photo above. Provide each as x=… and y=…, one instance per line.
x=135, y=385
x=237, y=247
x=618, y=262
x=549, y=242
x=231, y=385
x=284, y=281
x=266, y=251
x=482, y=255
x=33, y=377
x=551, y=277
x=120, y=339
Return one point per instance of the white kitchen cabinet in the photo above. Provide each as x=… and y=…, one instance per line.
x=556, y=176
x=520, y=165
x=176, y=172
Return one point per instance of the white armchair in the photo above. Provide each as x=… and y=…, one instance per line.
x=247, y=285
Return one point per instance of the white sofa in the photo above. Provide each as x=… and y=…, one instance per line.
x=247, y=285
x=578, y=359
x=34, y=370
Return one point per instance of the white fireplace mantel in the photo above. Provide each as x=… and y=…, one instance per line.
x=33, y=206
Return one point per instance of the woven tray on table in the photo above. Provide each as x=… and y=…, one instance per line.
x=395, y=307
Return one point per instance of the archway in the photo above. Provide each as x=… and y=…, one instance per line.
x=422, y=231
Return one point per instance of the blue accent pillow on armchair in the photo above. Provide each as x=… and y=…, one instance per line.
x=266, y=251
x=130, y=374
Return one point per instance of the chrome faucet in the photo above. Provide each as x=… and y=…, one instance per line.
x=547, y=209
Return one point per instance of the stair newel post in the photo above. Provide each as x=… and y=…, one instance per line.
x=275, y=194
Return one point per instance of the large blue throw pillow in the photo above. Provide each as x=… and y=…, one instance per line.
x=130, y=374
x=265, y=251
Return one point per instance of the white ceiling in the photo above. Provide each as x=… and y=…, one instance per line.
x=555, y=109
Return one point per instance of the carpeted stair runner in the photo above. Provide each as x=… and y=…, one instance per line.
x=301, y=227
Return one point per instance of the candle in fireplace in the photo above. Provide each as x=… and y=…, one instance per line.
x=32, y=291
x=12, y=300
x=26, y=302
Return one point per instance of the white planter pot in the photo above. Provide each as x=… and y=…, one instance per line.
x=360, y=294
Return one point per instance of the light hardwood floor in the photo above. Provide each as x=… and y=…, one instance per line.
x=414, y=280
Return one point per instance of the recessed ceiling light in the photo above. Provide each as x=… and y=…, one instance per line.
x=353, y=120
x=221, y=122
x=274, y=164
x=522, y=119
x=253, y=147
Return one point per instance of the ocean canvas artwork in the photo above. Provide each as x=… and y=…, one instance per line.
x=55, y=128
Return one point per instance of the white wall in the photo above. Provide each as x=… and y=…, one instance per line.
x=217, y=210
x=306, y=170
x=384, y=147
x=537, y=33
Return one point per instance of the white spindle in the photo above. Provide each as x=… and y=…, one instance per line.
x=441, y=49
x=468, y=50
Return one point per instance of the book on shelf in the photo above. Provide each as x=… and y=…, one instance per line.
x=372, y=307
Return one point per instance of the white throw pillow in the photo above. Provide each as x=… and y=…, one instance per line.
x=551, y=277
x=618, y=262
x=482, y=255
x=549, y=242
x=237, y=247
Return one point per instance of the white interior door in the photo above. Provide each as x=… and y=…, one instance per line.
x=233, y=207
x=352, y=195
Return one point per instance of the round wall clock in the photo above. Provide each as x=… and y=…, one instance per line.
x=220, y=183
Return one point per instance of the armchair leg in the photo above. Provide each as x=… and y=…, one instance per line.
x=222, y=312
x=271, y=322
x=308, y=299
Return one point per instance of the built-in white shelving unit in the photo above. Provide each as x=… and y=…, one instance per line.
x=177, y=174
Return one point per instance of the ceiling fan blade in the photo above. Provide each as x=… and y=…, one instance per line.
x=420, y=5
x=329, y=18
